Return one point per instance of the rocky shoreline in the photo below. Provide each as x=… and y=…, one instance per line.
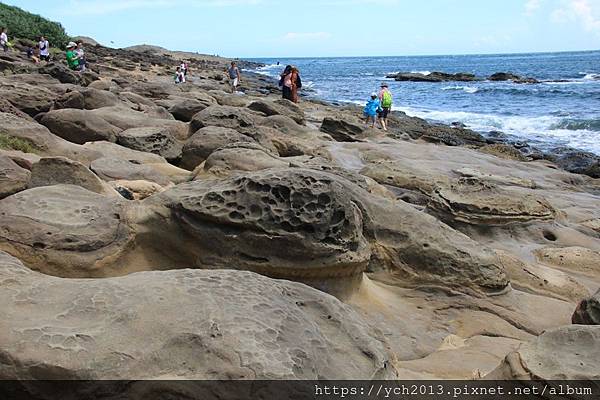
x=158, y=231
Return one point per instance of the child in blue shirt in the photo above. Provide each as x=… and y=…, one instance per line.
x=371, y=109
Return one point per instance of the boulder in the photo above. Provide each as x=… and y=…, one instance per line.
x=243, y=156
x=433, y=77
x=60, y=72
x=44, y=142
x=185, y=110
x=136, y=190
x=156, y=140
x=588, y=311
x=113, y=150
x=246, y=328
x=136, y=99
x=507, y=76
x=64, y=230
x=561, y=354
x=28, y=98
x=94, y=98
x=503, y=151
x=577, y=162
x=23, y=160
x=79, y=126
x=280, y=107
x=239, y=119
x=60, y=170
x=474, y=201
x=452, y=136
x=342, y=130
x=87, y=77
x=13, y=178
x=72, y=99
x=205, y=141
x=113, y=169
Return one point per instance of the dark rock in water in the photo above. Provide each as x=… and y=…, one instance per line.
x=60, y=72
x=588, y=311
x=576, y=161
x=341, y=130
x=458, y=125
x=433, y=77
x=453, y=136
x=496, y=137
x=507, y=76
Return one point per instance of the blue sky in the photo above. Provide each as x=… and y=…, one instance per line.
x=311, y=28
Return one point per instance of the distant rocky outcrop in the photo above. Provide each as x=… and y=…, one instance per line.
x=433, y=77
x=507, y=76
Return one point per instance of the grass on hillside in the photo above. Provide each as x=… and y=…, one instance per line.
x=14, y=143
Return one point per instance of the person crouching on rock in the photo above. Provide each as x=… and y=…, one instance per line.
x=386, y=100
x=371, y=109
x=72, y=58
x=290, y=83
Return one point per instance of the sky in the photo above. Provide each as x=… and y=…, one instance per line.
x=332, y=28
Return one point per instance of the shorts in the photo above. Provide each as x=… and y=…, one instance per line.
x=235, y=82
x=44, y=57
x=385, y=112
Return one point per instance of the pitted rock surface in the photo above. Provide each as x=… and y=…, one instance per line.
x=588, y=311
x=205, y=141
x=239, y=119
x=212, y=325
x=63, y=230
x=283, y=222
x=474, y=201
x=155, y=140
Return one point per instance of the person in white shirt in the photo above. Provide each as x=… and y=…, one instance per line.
x=4, y=39
x=44, y=49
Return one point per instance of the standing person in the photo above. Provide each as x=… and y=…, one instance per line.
x=4, y=39
x=386, y=99
x=184, y=68
x=81, y=55
x=179, y=75
x=44, y=49
x=234, y=76
x=290, y=82
x=72, y=59
x=371, y=109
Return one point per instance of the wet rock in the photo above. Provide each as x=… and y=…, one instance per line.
x=588, y=311
x=433, y=77
x=504, y=151
x=507, y=76
x=63, y=230
x=453, y=136
x=247, y=328
x=79, y=126
x=577, y=162
x=205, y=141
x=473, y=201
x=342, y=130
x=113, y=169
x=13, y=178
x=567, y=353
x=156, y=140
x=60, y=170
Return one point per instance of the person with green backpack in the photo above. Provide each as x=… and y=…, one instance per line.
x=386, y=100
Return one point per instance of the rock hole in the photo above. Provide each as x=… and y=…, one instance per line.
x=38, y=245
x=550, y=236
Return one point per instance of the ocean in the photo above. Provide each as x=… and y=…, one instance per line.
x=562, y=110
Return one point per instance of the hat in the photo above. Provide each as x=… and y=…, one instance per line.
x=383, y=84
x=373, y=94
x=71, y=44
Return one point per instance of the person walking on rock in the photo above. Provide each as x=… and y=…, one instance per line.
x=290, y=83
x=234, y=76
x=44, y=49
x=386, y=99
x=4, y=39
x=372, y=109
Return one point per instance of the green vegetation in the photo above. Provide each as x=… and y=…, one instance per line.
x=24, y=25
x=14, y=143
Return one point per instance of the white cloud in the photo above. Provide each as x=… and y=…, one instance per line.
x=583, y=12
x=306, y=35
x=99, y=7
x=531, y=6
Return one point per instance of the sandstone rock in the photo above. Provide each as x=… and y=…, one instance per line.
x=113, y=150
x=113, y=169
x=453, y=136
x=578, y=162
x=79, y=126
x=578, y=259
x=588, y=311
x=43, y=141
x=186, y=109
x=567, y=353
x=30, y=99
x=60, y=72
x=473, y=201
x=94, y=98
x=205, y=141
x=156, y=140
x=135, y=99
x=103, y=84
x=243, y=157
x=280, y=107
x=70, y=100
x=136, y=190
x=246, y=328
x=23, y=160
x=13, y=178
x=60, y=170
x=64, y=230
x=228, y=100
x=503, y=151
x=342, y=130
x=387, y=172
x=87, y=77
x=7, y=107
x=239, y=119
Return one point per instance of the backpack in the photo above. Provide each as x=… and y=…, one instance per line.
x=386, y=100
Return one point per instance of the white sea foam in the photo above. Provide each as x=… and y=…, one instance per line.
x=420, y=72
x=466, y=89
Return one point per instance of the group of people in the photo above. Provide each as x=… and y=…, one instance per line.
x=181, y=72
x=40, y=52
x=379, y=107
x=290, y=82
x=76, y=57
